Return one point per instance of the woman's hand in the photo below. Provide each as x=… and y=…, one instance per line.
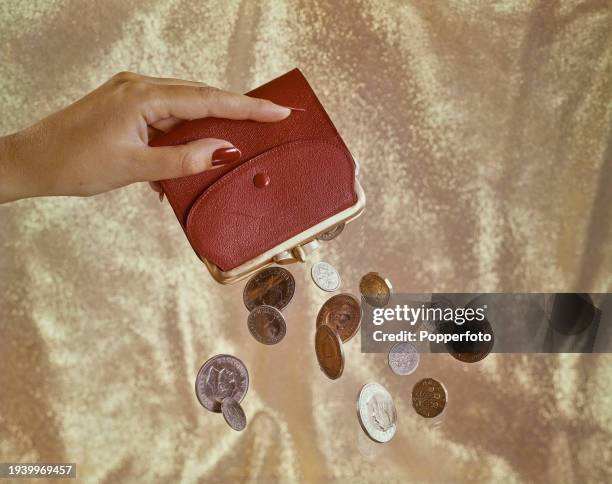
x=101, y=141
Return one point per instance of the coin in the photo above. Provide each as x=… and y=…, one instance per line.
x=273, y=286
x=233, y=413
x=330, y=355
x=342, y=313
x=376, y=412
x=468, y=351
x=428, y=398
x=331, y=234
x=404, y=358
x=219, y=377
x=375, y=289
x=267, y=325
x=325, y=276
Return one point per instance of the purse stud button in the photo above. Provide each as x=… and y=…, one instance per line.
x=261, y=180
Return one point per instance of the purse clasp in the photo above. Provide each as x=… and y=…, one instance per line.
x=298, y=254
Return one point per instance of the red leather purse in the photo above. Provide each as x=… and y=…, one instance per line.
x=237, y=228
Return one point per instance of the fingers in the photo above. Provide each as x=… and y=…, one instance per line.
x=165, y=125
x=172, y=81
x=164, y=162
x=157, y=188
x=167, y=101
x=191, y=102
x=126, y=76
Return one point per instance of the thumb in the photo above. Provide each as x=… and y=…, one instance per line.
x=164, y=162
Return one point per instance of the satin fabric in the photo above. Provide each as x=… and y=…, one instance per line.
x=483, y=134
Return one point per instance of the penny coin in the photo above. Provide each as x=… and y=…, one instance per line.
x=331, y=234
x=428, y=398
x=330, y=355
x=376, y=412
x=404, y=358
x=273, y=286
x=342, y=313
x=220, y=377
x=325, y=276
x=233, y=413
x=469, y=351
x=375, y=289
x=267, y=325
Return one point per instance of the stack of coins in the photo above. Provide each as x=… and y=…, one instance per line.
x=222, y=381
x=221, y=385
x=265, y=295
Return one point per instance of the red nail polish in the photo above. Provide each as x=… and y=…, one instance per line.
x=223, y=156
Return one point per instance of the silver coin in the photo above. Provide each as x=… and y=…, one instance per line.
x=331, y=234
x=267, y=325
x=325, y=276
x=404, y=358
x=376, y=412
x=220, y=377
x=233, y=414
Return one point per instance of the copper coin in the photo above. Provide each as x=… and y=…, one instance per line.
x=342, y=313
x=331, y=234
x=330, y=355
x=267, y=325
x=233, y=413
x=469, y=351
x=273, y=286
x=375, y=289
x=220, y=377
x=428, y=398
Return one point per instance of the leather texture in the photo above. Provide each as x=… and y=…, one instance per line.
x=227, y=219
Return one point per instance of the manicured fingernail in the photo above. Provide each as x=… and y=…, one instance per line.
x=161, y=196
x=295, y=109
x=222, y=156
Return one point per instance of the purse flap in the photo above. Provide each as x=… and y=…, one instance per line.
x=234, y=220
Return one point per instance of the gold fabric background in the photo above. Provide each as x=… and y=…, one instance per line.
x=483, y=134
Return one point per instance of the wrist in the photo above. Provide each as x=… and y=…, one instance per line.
x=16, y=179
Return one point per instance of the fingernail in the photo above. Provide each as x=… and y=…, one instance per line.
x=295, y=109
x=222, y=156
x=161, y=196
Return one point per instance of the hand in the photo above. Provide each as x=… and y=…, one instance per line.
x=101, y=141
